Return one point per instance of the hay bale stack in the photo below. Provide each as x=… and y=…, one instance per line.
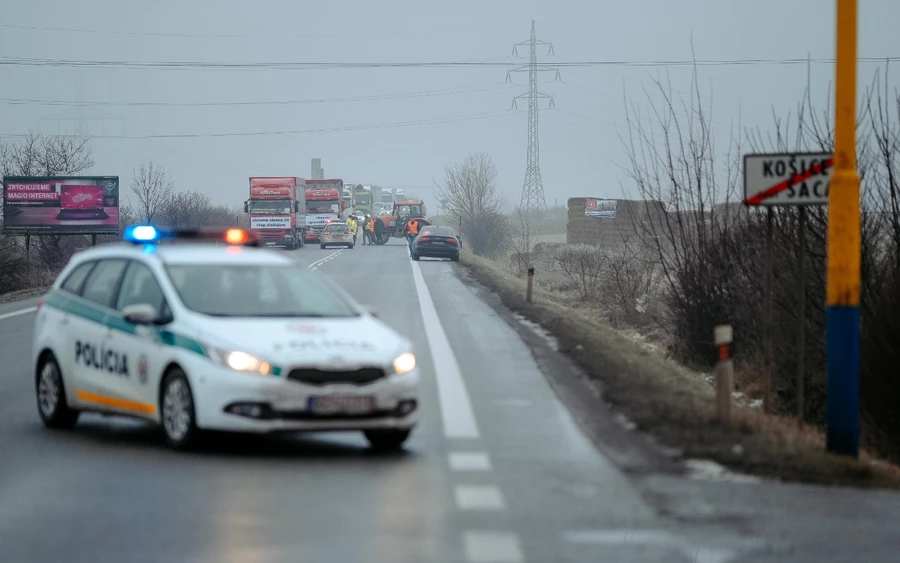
x=632, y=217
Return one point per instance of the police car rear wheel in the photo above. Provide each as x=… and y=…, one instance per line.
x=178, y=418
x=51, y=396
x=387, y=439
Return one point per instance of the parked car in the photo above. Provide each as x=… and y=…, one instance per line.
x=436, y=242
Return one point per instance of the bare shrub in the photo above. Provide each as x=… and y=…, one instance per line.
x=585, y=267
x=153, y=189
x=471, y=197
x=522, y=240
x=631, y=286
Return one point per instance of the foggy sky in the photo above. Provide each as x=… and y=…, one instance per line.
x=581, y=153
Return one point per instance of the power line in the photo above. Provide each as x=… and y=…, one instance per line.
x=450, y=119
x=374, y=97
x=273, y=35
x=296, y=66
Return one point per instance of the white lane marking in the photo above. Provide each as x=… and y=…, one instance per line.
x=456, y=408
x=17, y=313
x=479, y=497
x=492, y=547
x=321, y=261
x=469, y=461
x=650, y=537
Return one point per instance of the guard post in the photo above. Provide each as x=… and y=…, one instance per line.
x=723, y=337
x=530, y=284
x=843, y=255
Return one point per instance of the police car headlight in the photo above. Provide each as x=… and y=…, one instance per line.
x=241, y=361
x=404, y=363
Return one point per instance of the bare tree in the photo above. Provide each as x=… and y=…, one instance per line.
x=185, y=209
x=471, y=196
x=522, y=239
x=39, y=155
x=153, y=189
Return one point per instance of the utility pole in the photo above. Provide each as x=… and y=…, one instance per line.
x=844, y=235
x=533, y=188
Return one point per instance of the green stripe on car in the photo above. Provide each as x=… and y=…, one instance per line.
x=58, y=300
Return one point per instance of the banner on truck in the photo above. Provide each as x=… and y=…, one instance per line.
x=283, y=222
x=600, y=208
x=84, y=205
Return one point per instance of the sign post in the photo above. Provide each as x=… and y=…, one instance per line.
x=791, y=179
x=844, y=234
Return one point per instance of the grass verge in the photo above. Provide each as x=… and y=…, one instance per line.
x=675, y=406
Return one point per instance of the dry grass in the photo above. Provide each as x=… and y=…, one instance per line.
x=677, y=405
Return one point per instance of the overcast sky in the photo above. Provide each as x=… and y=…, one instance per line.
x=399, y=127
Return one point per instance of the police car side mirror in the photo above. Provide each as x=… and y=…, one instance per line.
x=140, y=314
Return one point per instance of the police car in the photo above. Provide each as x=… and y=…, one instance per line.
x=198, y=336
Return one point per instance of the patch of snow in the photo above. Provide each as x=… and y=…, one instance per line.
x=756, y=404
x=641, y=304
x=641, y=340
x=706, y=470
x=624, y=422
x=539, y=330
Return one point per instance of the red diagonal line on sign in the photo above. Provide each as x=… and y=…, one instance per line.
x=795, y=179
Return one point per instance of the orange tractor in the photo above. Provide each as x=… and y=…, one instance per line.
x=394, y=225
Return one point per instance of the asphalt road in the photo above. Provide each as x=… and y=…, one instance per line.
x=497, y=471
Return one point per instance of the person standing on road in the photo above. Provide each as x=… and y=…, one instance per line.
x=379, y=231
x=412, y=230
x=353, y=225
x=369, y=231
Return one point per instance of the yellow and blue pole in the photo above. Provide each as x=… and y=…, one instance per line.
x=844, y=234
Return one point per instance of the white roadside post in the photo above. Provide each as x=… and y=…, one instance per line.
x=530, y=285
x=723, y=337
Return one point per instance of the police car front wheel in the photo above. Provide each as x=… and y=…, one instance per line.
x=51, y=396
x=179, y=422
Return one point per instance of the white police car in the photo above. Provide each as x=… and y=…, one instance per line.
x=202, y=336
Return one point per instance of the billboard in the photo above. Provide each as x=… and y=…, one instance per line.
x=600, y=208
x=55, y=205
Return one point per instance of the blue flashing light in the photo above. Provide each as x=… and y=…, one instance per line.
x=147, y=234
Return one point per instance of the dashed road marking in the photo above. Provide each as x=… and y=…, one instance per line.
x=456, y=407
x=492, y=547
x=620, y=538
x=321, y=261
x=469, y=461
x=17, y=313
x=479, y=497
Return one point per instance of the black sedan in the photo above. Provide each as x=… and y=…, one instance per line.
x=436, y=242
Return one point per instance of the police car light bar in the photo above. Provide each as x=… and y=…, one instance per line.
x=148, y=234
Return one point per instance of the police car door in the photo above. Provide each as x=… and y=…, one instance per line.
x=139, y=342
x=98, y=364
x=65, y=322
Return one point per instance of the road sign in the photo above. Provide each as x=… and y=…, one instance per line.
x=787, y=179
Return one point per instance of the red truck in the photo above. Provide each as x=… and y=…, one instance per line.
x=324, y=202
x=277, y=208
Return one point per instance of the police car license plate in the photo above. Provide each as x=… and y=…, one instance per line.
x=341, y=404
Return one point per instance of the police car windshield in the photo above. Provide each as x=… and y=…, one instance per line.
x=257, y=291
